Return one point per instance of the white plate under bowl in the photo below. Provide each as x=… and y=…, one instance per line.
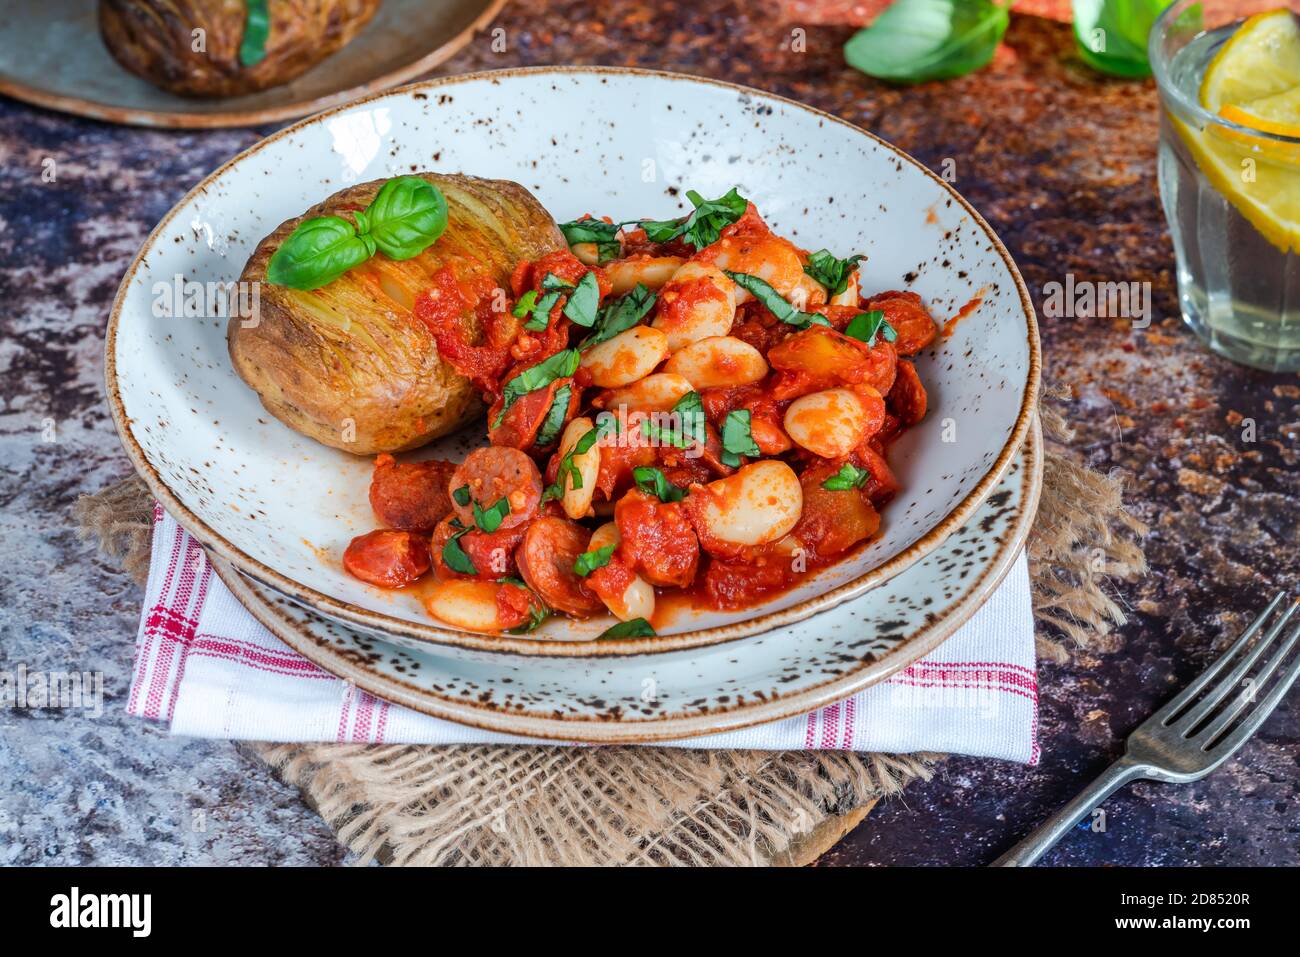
x=787, y=672
x=619, y=142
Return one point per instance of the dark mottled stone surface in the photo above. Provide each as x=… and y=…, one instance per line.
x=1060, y=160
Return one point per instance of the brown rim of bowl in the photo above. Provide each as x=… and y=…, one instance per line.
x=158, y=119
x=678, y=725
x=381, y=624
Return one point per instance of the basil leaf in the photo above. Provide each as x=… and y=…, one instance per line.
x=848, y=477
x=588, y=562
x=489, y=519
x=636, y=628
x=537, y=613
x=917, y=40
x=620, y=315
x=541, y=317
x=704, y=225
x=407, y=216
x=454, y=557
x=257, y=29
x=583, y=301
x=555, y=416
x=737, y=440
x=866, y=325
x=831, y=272
x=1123, y=29
x=461, y=496
x=690, y=410
x=553, y=283
x=559, y=366
x=653, y=482
x=604, y=235
x=525, y=305
x=775, y=303
x=664, y=436
x=555, y=490
x=316, y=253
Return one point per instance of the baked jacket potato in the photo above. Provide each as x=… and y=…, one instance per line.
x=351, y=364
x=155, y=40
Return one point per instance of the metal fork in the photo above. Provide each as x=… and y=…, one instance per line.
x=1190, y=736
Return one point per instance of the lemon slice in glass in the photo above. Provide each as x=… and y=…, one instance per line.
x=1254, y=82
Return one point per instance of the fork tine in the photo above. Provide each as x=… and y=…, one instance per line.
x=1228, y=746
x=1167, y=713
x=1202, y=709
x=1247, y=696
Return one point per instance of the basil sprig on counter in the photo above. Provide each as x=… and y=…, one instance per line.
x=636, y=628
x=917, y=40
x=705, y=223
x=848, y=477
x=831, y=272
x=775, y=303
x=866, y=325
x=257, y=29
x=407, y=215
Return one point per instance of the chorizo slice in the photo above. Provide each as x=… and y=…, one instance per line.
x=412, y=496
x=904, y=311
x=657, y=540
x=907, y=398
x=545, y=559
x=387, y=557
x=494, y=473
x=492, y=554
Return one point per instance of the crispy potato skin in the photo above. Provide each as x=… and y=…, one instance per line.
x=153, y=39
x=348, y=364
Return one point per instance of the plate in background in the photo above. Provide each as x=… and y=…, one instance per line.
x=51, y=55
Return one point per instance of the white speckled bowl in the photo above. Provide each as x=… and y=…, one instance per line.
x=625, y=143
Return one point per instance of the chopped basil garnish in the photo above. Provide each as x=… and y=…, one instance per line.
x=541, y=311
x=553, y=283
x=537, y=613
x=848, y=477
x=704, y=225
x=663, y=436
x=604, y=235
x=584, y=301
x=831, y=272
x=525, y=304
x=454, y=557
x=461, y=495
x=559, y=366
x=588, y=562
x=775, y=303
x=489, y=519
x=653, y=482
x=687, y=424
x=567, y=467
x=555, y=416
x=866, y=325
x=620, y=315
x=736, y=438
x=636, y=628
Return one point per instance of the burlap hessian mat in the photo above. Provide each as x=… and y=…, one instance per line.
x=495, y=804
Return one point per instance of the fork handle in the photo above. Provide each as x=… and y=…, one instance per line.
x=1029, y=850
